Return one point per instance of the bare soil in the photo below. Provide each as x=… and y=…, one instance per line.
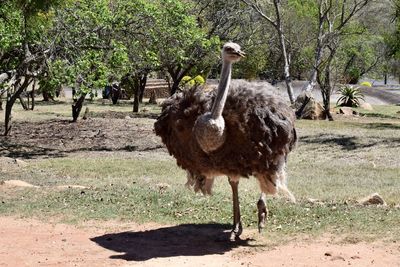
x=109, y=131
x=29, y=242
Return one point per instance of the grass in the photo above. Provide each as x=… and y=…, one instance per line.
x=381, y=111
x=335, y=162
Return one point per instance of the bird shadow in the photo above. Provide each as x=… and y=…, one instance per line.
x=180, y=240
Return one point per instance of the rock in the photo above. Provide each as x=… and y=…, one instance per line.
x=308, y=108
x=315, y=201
x=366, y=106
x=127, y=117
x=374, y=199
x=153, y=97
x=162, y=187
x=338, y=257
x=18, y=183
x=20, y=163
x=71, y=186
x=346, y=111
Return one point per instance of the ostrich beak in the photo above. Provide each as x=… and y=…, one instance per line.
x=241, y=53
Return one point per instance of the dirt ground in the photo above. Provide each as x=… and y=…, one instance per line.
x=28, y=242
x=108, y=131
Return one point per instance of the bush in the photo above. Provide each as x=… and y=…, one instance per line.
x=350, y=96
x=199, y=80
x=187, y=81
x=368, y=84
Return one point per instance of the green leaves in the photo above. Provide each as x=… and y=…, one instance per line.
x=350, y=96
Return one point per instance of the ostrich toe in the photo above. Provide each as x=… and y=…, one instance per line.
x=262, y=212
x=236, y=232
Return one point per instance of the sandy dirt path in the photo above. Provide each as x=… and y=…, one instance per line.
x=28, y=242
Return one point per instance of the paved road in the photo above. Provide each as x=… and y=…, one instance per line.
x=379, y=95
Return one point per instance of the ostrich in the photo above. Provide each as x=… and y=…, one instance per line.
x=238, y=131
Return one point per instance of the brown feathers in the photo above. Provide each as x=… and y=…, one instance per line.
x=260, y=131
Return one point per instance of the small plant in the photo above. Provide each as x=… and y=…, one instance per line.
x=368, y=84
x=199, y=80
x=188, y=82
x=350, y=96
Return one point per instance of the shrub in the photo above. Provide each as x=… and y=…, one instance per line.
x=368, y=84
x=187, y=81
x=350, y=96
x=199, y=80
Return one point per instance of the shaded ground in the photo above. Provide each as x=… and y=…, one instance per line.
x=33, y=243
x=56, y=138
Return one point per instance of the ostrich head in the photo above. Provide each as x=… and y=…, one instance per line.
x=209, y=128
x=231, y=52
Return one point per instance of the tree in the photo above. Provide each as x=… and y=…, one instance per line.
x=135, y=21
x=392, y=41
x=277, y=23
x=360, y=54
x=85, y=43
x=334, y=19
x=227, y=19
x=181, y=44
x=23, y=50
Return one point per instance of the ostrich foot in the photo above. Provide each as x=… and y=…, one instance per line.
x=237, y=225
x=262, y=212
x=236, y=232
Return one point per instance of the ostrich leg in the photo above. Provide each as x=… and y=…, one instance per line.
x=262, y=211
x=237, y=225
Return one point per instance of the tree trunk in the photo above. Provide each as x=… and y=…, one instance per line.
x=177, y=76
x=288, y=79
x=175, y=86
x=46, y=96
x=325, y=82
x=115, y=95
x=286, y=69
x=136, y=93
x=77, y=107
x=313, y=76
x=317, y=56
x=10, y=103
x=142, y=87
x=33, y=95
x=23, y=104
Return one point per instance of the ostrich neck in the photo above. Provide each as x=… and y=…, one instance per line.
x=222, y=93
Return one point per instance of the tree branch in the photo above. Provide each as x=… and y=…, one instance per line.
x=257, y=8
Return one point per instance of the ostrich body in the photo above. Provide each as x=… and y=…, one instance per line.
x=238, y=131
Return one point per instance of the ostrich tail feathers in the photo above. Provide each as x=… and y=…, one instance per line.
x=199, y=183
